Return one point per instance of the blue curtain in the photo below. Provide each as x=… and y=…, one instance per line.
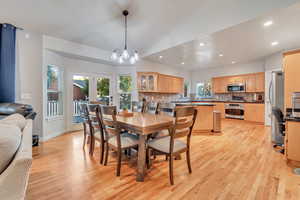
x=7, y=62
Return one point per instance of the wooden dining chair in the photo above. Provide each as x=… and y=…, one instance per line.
x=137, y=106
x=151, y=107
x=88, y=130
x=166, y=108
x=172, y=146
x=118, y=141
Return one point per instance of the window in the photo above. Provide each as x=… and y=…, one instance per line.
x=186, y=89
x=203, y=89
x=125, y=90
x=54, y=92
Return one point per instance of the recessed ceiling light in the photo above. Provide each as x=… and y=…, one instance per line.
x=27, y=36
x=233, y=62
x=221, y=55
x=160, y=57
x=268, y=23
x=274, y=43
x=202, y=44
x=182, y=63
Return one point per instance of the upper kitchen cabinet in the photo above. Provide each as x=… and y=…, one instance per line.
x=219, y=85
x=253, y=82
x=159, y=83
x=291, y=76
x=260, y=82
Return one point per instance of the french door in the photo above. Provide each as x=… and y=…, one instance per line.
x=89, y=88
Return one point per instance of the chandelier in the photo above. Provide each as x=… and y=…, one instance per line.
x=125, y=55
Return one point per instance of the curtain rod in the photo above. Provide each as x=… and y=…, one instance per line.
x=20, y=28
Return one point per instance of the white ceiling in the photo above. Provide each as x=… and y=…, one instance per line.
x=241, y=43
x=154, y=25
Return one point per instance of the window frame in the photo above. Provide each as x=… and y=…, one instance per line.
x=205, y=83
x=59, y=91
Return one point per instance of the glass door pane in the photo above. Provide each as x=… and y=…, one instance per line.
x=103, y=93
x=151, y=82
x=80, y=95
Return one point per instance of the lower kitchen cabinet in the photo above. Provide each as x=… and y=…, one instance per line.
x=254, y=112
x=221, y=108
x=292, y=141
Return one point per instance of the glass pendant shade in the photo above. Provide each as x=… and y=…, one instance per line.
x=136, y=55
x=132, y=60
x=114, y=55
x=121, y=60
x=125, y=54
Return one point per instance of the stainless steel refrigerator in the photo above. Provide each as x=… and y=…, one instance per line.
x=276, y=98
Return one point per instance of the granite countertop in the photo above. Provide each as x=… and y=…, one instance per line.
x=217, y=101
x=193, y=104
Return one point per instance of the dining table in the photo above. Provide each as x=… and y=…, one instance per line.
x=144, y=124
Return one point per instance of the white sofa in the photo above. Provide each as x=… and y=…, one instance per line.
x=14, y=178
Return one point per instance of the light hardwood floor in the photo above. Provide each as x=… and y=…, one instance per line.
x=238, y=164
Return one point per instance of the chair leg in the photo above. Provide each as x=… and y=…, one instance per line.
x=148, y=158
x=92, y=146
x=102, y=152
x=106, y=153
x=84, y=135
x=171, y=169
x=188, y=160
x=119, y=162
x=84, y=139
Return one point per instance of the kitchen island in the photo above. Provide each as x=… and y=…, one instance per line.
x=204, y=119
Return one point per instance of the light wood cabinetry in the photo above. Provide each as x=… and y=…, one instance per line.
x=219, y=85
x=291, y=76
x=292, y=141
x=254, y=82
x=159, y=83
x=260, y=82
x=221, y=108
x=254, y=112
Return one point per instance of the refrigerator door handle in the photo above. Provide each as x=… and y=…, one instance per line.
x=270, y=90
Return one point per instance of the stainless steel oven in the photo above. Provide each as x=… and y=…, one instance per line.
x=236, y=87
x=234, y=110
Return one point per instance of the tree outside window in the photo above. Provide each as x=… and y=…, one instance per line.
x=125, y=90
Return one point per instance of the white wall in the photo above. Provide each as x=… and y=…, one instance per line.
x=203, y=75
x=30, y=67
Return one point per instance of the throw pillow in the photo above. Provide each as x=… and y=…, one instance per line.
x=15, y=119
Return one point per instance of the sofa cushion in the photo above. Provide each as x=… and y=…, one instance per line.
x=10, y=140
x=15, y=119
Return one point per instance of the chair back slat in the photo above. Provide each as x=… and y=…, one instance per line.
x=151, y=107
x=108, y=122
x=166, y=108
x=184, y=125
x=137, y=106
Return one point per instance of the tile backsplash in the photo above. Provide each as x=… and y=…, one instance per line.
x=159, y=97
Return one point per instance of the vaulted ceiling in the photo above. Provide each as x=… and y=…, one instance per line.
x=154, y=26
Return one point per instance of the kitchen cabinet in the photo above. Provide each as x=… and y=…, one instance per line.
x=254, y=112
x=159, y=83
x=221, y=108
x=250, y=83
x=254, y=82
x=291, y=76
x=147, y=82
x=292, y=141
x=219, y=85
x=260, y=82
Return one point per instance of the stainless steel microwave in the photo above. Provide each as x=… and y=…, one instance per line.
x=236, y=88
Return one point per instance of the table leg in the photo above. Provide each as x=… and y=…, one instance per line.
x=141, y=168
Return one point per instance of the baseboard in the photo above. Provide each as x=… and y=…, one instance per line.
x=48, y=137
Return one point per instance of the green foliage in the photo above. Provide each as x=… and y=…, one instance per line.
x=85, y=90
x=102, y=87
x=125, y=83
